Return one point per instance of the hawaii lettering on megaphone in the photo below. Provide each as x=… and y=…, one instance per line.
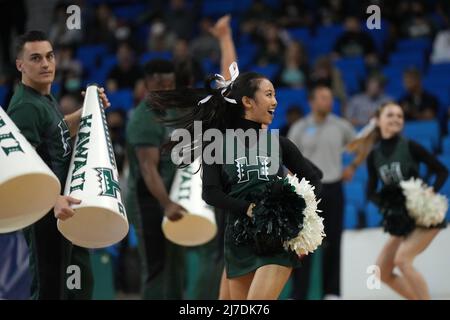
x=81, y=154
x=8, y=137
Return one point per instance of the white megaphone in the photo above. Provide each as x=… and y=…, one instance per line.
x=198, y=226
x=100, y=219
x=28, y=188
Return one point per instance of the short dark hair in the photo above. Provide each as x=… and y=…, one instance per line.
x=413, y=71
x=158, y=66
x=30, y=36
x=316, y=87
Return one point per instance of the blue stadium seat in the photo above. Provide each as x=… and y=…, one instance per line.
x=331, y=32
x=300, y=34
x=210, y=67
x=130, y=12
x=439, y=68
x=423, y=129
x=355, y=65
x=337, y=107
x=373, y=216
x=217, y=8
x=350, y=217
x=286, y=98
x=424, y=142
x=146, y=57
x=319, y=46
x=347, y=158
x=378, y=36
x=408, y=59
x=446, y=145
x=56, y=89
x=353, y=71
x=89, y=55
x=270, y=70
x=121, y=99
x=242, y=5
x=246, y=54
x=352, y=82
x=361, y=175
x=355, y=194
x=415, y=45
x=3, y=92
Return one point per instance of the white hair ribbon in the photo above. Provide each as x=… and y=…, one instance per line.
x=223, y=84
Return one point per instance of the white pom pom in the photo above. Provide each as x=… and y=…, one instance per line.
x=312, y=233
x=425, y=206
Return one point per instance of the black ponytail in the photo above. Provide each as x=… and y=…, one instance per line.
x=216, y=113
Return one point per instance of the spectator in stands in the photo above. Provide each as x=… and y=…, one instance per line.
x=331, y=12
x=441, y=47
x=416, y=23
x=322, y=136
x=293, y=114
x=13, y=16
x=256, y=15
x=205, y=45
x=295, y=67
x=69, y=103
x=70, y=71
x=116, y=124
x=323, y=72
x=361, y=107
x=180, y=18
x=102, y=28
x=294, y=13
x=355, y=43
x=181, y=54
x=160, y=37
x=126, y=73
x=417, y=104
x=59, y=34
x=272, y=47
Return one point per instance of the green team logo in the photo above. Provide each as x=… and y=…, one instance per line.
x=244, y=169
x=108, y=185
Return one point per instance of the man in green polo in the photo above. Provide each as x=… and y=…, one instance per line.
x=151, y=175
x=54, y=262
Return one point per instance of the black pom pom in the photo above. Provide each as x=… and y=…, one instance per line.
x=277, y=217
x=396, y=220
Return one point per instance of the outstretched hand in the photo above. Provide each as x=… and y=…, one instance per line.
x=222, y=27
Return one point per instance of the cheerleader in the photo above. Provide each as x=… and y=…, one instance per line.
x=246, y=102
x=395, y=159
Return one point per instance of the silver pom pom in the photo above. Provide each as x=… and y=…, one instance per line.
x=312, y=233
x=425, y=206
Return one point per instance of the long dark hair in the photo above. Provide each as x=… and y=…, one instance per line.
x=215, y=113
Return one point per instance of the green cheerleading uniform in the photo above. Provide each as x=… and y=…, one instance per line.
x=38, y=118
x=395, y=160
x=227, y=186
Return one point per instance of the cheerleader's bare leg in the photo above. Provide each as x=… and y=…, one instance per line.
x=386, y=264
x=224, y=292
x=268, y=282
x=412, y=246
x=240, y=286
